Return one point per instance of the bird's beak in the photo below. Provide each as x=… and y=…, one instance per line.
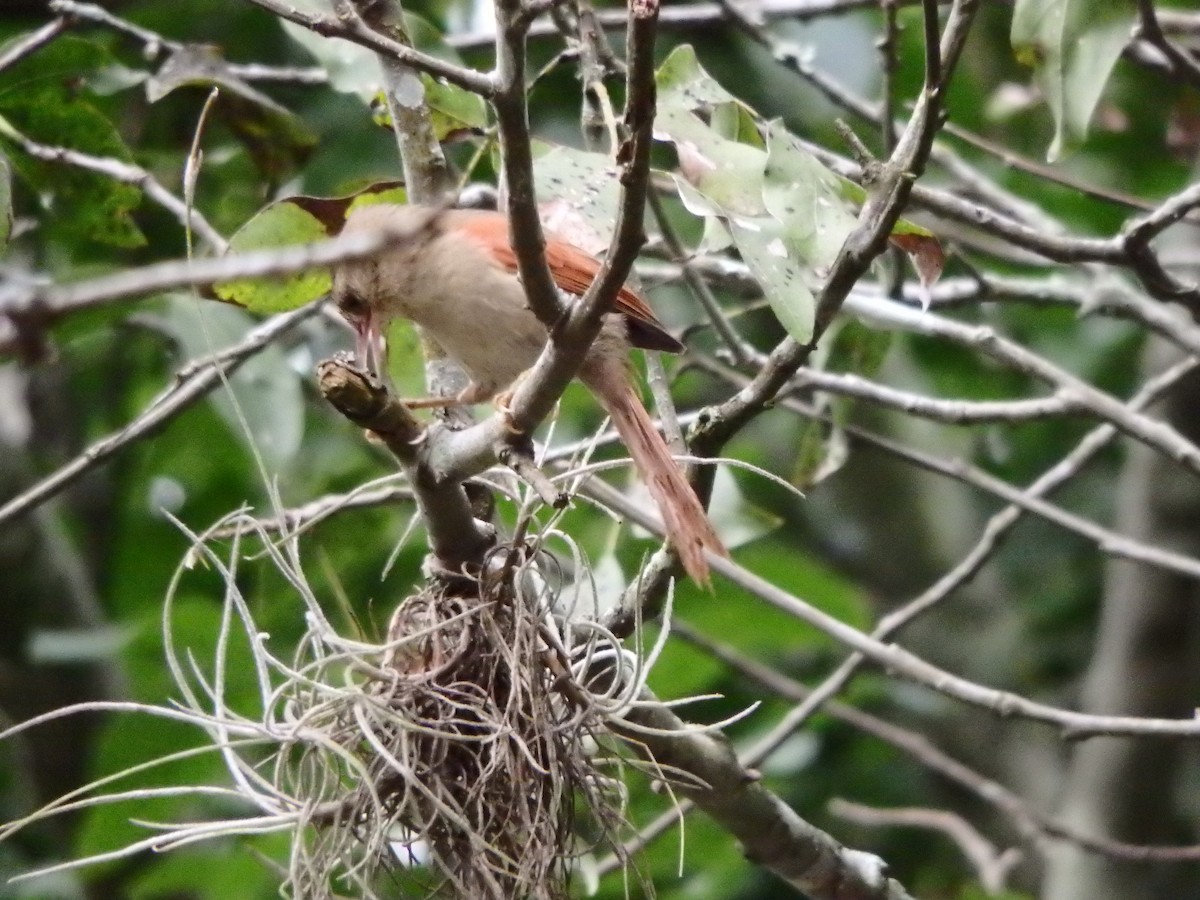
x=370, y=348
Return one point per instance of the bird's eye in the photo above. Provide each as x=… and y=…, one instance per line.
x=352, y=305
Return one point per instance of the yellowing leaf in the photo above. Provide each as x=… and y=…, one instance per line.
x=281, y=224
x=291, y=221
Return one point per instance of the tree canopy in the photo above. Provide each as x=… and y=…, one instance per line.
x=268, y=629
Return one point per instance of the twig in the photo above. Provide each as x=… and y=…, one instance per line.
x=1107, y=540
x=426, y=174
x=31, y=43
x=571, y=334
x=1031, y=825
x=355, y=31
x=900, y=662
x=991, y=865
x=771, y=833
x=697, y=285
x=49, y=301
x=155, y=45
x=457, y=541
x=1184, y=66
x=191, y=383
x=126, y=173
x=523, y=464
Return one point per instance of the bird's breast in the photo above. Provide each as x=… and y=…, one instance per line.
x=475, y=309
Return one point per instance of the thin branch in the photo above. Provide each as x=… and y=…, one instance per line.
x=991, y=865
x=697, y=285
x=191, y=383
x=1150, y=431
x=1183, y=64
x=904, y=664
x=126, y=173
x=353, y=30
x=426, y=175
x=47, y=301
x=572, y=332
x=771, y=833
x=1031, y=825
x=520, y=203
x=1106, y=540
x=155, y=45
x=31, y=43
x=457, y=541
x=887, y=195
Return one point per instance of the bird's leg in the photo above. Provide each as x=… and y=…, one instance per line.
x=431, y=402
x=503, y=401
x=470, y=395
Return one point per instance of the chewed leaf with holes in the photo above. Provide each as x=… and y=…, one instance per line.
x=579, y=194
x=787, y=214
x=1072, y=46
x=683, y=84
x=771, y=255
x=807, y=198
x=727, y=174
x=286, y=223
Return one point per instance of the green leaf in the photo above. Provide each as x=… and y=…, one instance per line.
x=785, y=212
x=266, y=389
x=767, y=250
x=579, y=194
x=45, y=98
x=332, y=211
x=682, y=82
x=807, y=198
x=405, y=357
x=788, y=215
x=278, y=141
x=725, y=172
x=454, y=111
x=68, y=61
x=1072, y=46
x=210, y=872
x=282, y=224
x=736, y=122
x=286, y=223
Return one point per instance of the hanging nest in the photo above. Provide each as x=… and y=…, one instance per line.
x=472, y=750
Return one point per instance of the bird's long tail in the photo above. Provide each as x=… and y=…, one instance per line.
x=687, y=525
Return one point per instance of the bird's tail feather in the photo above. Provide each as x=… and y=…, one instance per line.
x=688, y=527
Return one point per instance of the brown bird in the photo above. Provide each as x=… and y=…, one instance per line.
x=455, y=276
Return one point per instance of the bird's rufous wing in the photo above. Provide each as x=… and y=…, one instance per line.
x=573, y=270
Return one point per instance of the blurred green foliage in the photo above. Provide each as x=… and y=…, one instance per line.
x=842, y=549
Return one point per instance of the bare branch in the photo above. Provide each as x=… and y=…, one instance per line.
x=354, y=30
x=191, y=383
x=31, y=43
x=991, y=865
x=126, y=173
x=770, y=832
x=47, y=301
